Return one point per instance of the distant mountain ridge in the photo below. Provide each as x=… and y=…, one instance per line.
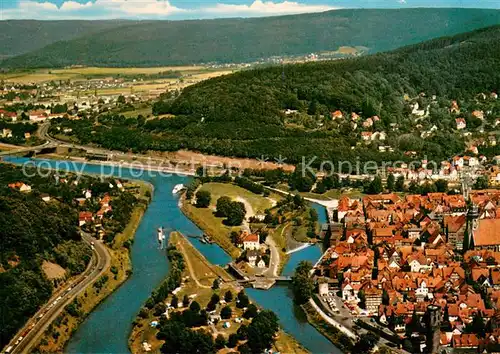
x=155, y=43
x=23, y=36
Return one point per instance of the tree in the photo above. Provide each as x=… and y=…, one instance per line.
x=375, y=186
x=365, y=343
x=251, y=311
x=313, y=215
x=428, y=188
x=121, y=99
x=233, y=340
x=400, y=184
x=228, y=296
x=223, y=206
x=302, y=284
x=220, y=342
x=195, y=307
x=477, y=326
x=481, y=183
x=175, y=302
x=214, y=300
x=216, y=284
x=179, y=339
x=391, y=180
x=226, y=313
x=262, y=330
x=203, y=199
x=301, y=179
x=242, y=300
x=441, y=185
x=236, y=214
x=244, y=349
x=242, y=332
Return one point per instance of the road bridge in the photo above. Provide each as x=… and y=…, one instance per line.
x=28, y=149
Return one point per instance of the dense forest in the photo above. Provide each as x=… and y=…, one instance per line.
x=38, y=34
x=32, y=231
x=244, y=114
x=155, y=43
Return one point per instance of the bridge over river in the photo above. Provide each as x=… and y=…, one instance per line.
x=258, y=282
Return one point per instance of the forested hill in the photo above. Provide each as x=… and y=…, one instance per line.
x=153, y=43
x=243, y=114
x=34, y=231
x=23, y=36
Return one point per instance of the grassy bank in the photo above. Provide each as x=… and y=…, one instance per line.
x=60, y=331
x=211, y=225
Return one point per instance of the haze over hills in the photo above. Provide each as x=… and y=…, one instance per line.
x=154, y=43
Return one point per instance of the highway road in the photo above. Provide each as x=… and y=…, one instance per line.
x=29, y=335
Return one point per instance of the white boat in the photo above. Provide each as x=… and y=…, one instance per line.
x=161, y=237
x=178, y=188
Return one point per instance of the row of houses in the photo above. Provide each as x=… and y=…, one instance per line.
x=396, y=255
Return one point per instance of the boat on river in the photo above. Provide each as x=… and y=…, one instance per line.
x=178, y=188
x=161, y=237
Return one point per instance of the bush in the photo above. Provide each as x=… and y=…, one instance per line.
x=220, y=342
x=251, y=311
x=203, y=199
x=233, y=340
x=226, y=313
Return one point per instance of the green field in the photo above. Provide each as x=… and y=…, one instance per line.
x=194, y=73
x=258, y=202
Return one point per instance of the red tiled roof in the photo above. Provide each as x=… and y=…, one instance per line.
x=251, y=238
x=465, y=340
x=488, y=233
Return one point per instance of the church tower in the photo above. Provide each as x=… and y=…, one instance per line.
x=433, y=326
x=472, y=225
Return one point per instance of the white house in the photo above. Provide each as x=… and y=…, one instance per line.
x=6, y=133
x=460, y=123
x=366, y=136
x=416, y=111
x=251, y=242
x=350, y=292
x=87, y=194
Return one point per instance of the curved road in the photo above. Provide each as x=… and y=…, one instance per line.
x=30, y=334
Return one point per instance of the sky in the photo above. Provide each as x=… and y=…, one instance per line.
x=197, y=9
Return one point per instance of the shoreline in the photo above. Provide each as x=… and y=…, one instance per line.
x=334, y=335
x=120, y=260
x=224, y=243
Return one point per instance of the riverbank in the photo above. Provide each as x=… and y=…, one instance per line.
x=198, y=278
x=64, y=326
x=204, y=219
x=334, y=335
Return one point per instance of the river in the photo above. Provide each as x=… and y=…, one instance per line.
x=107, y=328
